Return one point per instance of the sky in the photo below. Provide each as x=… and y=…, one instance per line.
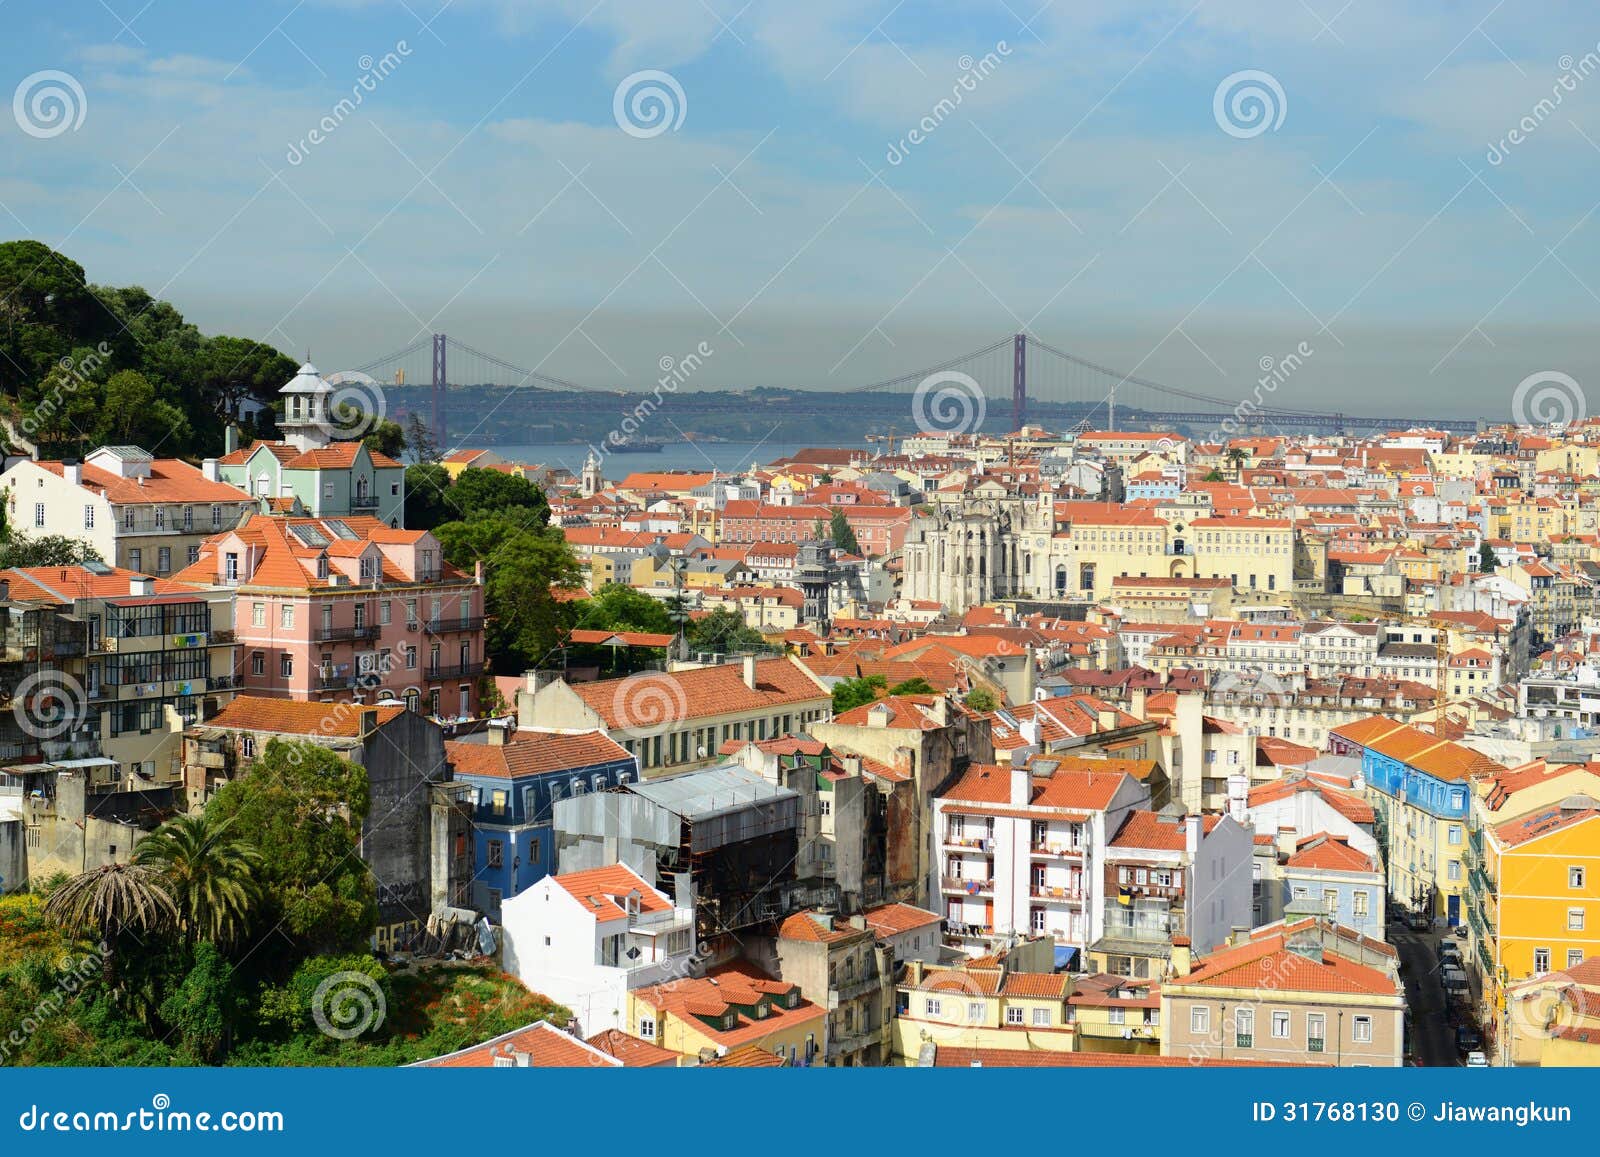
x=833, y=192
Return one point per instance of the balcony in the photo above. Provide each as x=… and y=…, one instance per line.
x=1063, y=895
x=978, y=844
x=364, y=502
x=345, y=634
x=453, y=626
x=329, y=679
x=967, y=886
x=1057, y=852
x=459, y=671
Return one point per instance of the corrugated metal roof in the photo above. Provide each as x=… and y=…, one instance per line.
x=715, y=791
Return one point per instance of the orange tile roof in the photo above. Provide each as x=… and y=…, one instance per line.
x=542, y=1044
x=1267, y=963
x=750, y=1056
x=817, y=928
x=1323, y=852
x=717, y=994
x=532, y=752
x=171, y=480
x=704, y=691
x=599, y=889
x=892, y=919
x=297, y=717
x=1148, y=830
x=631, y=1051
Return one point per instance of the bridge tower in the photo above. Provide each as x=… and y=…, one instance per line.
x=1019, y=381
x=440, y=341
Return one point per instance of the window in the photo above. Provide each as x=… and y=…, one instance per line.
x=975, y=1011
x=827, y=805
x=136, y=559
x=1316, y=1031
x=88, y=518
x=1013, y=1016
x=1574, y=919
x=286, y=616
x=1330, y=900
x=1453, y=870
x=1199, y=1020
x=1575, y=877
x=1244, y=1028
x=1361, y=1030
x=164, y=560
x=930, y=1007
x=248, y=747
x=1455, y=833
x=1280, y=1026
x=258, y=663
x=258, y=614
x=1541, y=960
x=1117, y=1015
x=1041, y=1018
x=1359, y=903
x=647, y=1028
x=496, y=852
x=38, y=515
x=286, y=665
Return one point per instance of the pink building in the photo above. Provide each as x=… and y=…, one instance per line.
x=348, y=609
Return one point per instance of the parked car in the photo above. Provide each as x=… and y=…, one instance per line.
x=1419, y=921
x=1460, y=932
x=1468, y=1039
x=1477, y=1060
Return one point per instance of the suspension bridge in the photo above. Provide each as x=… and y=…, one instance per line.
x=1044, y=385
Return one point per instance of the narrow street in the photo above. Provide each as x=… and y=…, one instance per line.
x=1432, y=1035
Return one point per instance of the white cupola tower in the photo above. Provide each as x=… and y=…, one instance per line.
x=593, y=481
x=307, y=423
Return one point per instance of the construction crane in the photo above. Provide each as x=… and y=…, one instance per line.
x=888, y=439
x=1441, y=661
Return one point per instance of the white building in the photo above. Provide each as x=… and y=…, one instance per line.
x=585, y=939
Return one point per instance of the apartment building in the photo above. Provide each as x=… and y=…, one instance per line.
x=348, y=610
x=138, y=512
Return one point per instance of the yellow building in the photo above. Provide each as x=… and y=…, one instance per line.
x=1534, y=891
x=1255, y=554
x=1554, y=1020
x=983, y=1004
x=732, y=1007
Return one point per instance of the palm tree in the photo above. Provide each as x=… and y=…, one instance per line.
x=210, y=874
x=115, y=899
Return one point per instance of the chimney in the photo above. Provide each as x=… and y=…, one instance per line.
x=209, y=469
x=142, y=585
x=230, y=439
x=1021, y=785
x=72, y=472
x=749, y=662
x=1287, y=840
x=1191, y=837
x=497, y=735
x=367, y=722
x=1182, y=956
x=5, y=590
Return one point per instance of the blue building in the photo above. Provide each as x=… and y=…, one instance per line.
x=517, y=777
x=1341, y=882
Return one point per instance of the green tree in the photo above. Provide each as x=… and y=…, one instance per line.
x=207, y=870
x=424, y=447
x=47, y=310
x=723, y=630
x=203, y=1007
x=616, y=607
x=981, y=699
x=133, y=413
x=428, y=496
x=521, y=565
x=479, y=492
x=1214, y=475
x=386, y=438
x=307, y=805
x=914, y=686
x=1488, y=560
x=118, y=901
x=45, y=550
x=852, y=693
x=843, y=537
